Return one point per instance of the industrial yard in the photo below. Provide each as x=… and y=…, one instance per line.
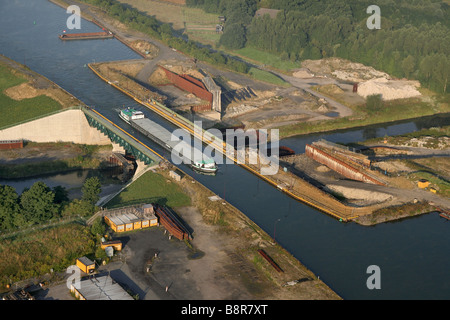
x=226, y=257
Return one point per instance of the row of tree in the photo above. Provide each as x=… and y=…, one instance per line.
x=40, y=203
x=413, y=42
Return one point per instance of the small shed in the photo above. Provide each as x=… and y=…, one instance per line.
x=423, y=183
x=86, y=265
x=116, y=244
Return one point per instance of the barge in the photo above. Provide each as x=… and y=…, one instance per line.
x=164, y=138
x=87, y=35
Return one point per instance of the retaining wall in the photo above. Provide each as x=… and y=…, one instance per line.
x=185, y=84
x=68, y=126
x=339, y=166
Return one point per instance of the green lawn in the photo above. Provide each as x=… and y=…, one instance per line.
x=13, y=111
x=151, y=188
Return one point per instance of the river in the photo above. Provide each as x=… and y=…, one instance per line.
x=413, y=254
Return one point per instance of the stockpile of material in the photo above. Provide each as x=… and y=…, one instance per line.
x=389, y=89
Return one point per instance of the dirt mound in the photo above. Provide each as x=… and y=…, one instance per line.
x=359, y=194
x=343, y=69
x=28, y=91
x=389, y=89
x=145, y=47
x=22, y=91
x=302, y=73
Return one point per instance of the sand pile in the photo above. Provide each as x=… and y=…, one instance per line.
x=360, y=194
x=341, y=69
x=389, y=89
x=303, y=73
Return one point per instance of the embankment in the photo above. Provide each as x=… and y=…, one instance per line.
x=68, y=125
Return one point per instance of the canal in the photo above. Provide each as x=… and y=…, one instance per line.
x=412, y=254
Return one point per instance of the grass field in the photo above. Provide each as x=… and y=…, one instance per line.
x=179, y=16
x=265, y=76
x=151, y=188
x=35, y=253
x=14, y=111
x=258, y=56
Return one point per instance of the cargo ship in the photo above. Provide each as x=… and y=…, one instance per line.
x=163, y=137
x=205, y=166
x=131, y=114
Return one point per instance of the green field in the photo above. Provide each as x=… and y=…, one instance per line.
x=17, y=111
x=275, y=61
x=151, y=188
x=266, y=76
x=34, y=254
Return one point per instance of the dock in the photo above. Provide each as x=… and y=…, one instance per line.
x=87, y=35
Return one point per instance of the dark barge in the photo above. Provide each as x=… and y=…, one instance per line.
x=87, y=35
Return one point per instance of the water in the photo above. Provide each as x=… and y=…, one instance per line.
x=412, y=254
x=72, y=181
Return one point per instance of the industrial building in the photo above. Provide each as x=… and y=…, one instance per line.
x=99, y=288
x=131, y=218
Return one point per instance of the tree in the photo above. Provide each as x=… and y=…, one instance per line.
x=61, y=194
x=91, y=190
x=408, y=66
x=38, y=203
x=78, y=207
x=98, y=227
x=233, y=36
x=441, y=71
x=374, y=103
x=9, y=207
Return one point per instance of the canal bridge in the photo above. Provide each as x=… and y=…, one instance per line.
x=119, y=136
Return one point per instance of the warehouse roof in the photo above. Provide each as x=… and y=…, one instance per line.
x=102, y=288
x=125, y=218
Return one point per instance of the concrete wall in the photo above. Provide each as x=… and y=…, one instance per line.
x=68, y=126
